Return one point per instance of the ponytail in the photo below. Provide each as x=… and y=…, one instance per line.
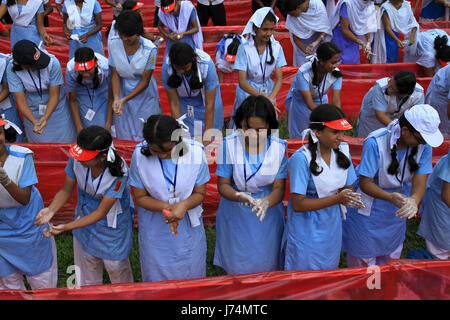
x=442, y=49
x=412, y=163
x=313, y=166
x=115, y=167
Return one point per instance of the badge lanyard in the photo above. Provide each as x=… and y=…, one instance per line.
x=99, y=181
x=405, y=159
x=253, y=174
x=323, y=88
x=263, y=70
x=91, y=98
x=39, y=91
x=174, y=182
x=189, y=92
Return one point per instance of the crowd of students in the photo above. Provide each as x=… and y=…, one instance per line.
x=332, y=206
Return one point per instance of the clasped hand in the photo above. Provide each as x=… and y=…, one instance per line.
x=259, y=205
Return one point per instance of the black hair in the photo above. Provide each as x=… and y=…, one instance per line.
x=158, y=129
x=405, y=81
x=129, y=23
x=235, y=43
x=128, y=5
x=181, y=54
x=324, y=113
x=10, y=134
x=10, y=3
x=325, y=51
x=166, y=2
x=269, y=17
x=413, y=165
x=291, y=5
x=256, y=106
x=442, y=49
x=85, y=54
x=98, y=138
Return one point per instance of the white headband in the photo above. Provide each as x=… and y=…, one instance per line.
x=11, y=124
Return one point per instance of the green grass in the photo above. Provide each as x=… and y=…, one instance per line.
x=64, y=244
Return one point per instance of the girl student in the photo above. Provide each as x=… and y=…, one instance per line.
x=168, y=175
x=87, y=81
x=393, y=171
x=396, y=17
x=82, y=25
x=192, y=86
x=435, y=220
x=311, y=85
x=257, y=58
x=182, y=23
x=387, y=100
x=28, y=21
x=132, y=60
x=321, y=184
x=226, y=50
x=353, y=23
x=308, y=25
x=24, y=251
x=8, y=108
x=431, y=51
x=251, y=180
x=36, y=81
x=438, y=95
x=102, y=229
x=135, y=6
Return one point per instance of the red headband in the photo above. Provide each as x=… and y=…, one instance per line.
x=230, y=57
x=340, y=124
x=137, y=6
x=84, y=66
x=80, y=154
x=168, y=8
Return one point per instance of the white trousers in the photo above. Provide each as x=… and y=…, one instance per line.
x=381, y=260
x=44, y=280
x=436, y=252
x=91, y=268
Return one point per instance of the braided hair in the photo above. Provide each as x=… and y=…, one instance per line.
x=324, y=113
x=181, y=54
x=394, y=165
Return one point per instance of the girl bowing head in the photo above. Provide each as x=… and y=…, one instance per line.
x=35, y=78
x=192, y=86
x=311, y=85
x=182, y=23
x=169, y=175
x=321, y=184
x=258, y=58
x=102, y=229
x=87, y=81
x=132, y=59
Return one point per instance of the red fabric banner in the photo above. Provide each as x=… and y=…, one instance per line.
x=398, y=280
